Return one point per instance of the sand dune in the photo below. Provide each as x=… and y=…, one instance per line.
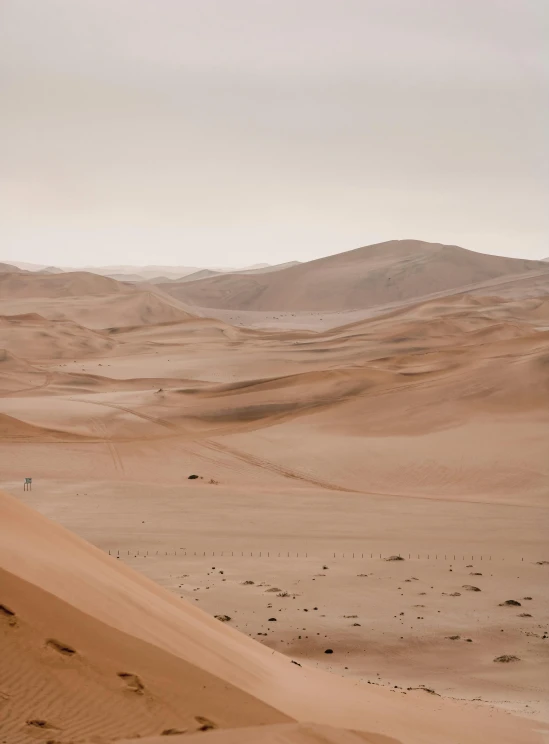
x=285, y=733
x=102, y=651
x=75, y=284
x=36, y=337
x=16, y=373
x=9, y=269
x=363, y=278
x=90, y=300
x=100, y=311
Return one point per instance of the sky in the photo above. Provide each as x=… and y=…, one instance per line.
x=232, y=132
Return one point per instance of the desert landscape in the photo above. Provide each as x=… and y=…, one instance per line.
x=300, y=503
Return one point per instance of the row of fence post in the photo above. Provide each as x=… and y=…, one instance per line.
x=289, y=554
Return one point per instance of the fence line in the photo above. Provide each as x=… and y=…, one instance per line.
x=286, y=554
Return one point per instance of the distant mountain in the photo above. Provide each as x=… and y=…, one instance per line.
x=51, y=270
x=10, y=269
x=77, y=284
x=395, y=271
x=124, y=277
x=202, y=274
x=268, y=268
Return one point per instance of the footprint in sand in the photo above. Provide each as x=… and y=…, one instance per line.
x=133, y=683
x=61, y=648
x=8, y=615
x=40, y=723
x=204, y=724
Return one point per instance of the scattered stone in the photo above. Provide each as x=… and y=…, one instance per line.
x=329, y=651
x=172, y=732
x=453, y=638
x=296, y=663
x=223, y=618
x=248, y=582
x=394, y=558
x=525, y=614
x=527, y=597
x=506, y=658
x=425, y=689
x=272, y=619
x=193, y=477
x=510, y=603
x=471, y=588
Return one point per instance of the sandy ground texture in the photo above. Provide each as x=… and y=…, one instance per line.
x=92, y=649
x=419, y=432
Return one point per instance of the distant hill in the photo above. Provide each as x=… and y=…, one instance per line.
x=267, y=268
x=27, y=284
x=10, y=269
x=91, y=300
x=125, y=277
x=394, y=271
x=51, y=270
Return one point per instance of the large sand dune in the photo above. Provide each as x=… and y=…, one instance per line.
x=92, y=301
x=19, y=286
x=397, y=271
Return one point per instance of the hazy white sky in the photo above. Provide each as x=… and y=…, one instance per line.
x=228, y=132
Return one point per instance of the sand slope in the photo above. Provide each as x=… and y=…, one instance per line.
x=396, y=271
x=74, y=620
x=78, y=283
x=284, y=733
x=100, y=311
x=9, y=269
x=36, y=337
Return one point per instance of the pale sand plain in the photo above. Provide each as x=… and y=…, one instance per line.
x=420, y=432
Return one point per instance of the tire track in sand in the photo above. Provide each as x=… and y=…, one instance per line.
x=104, y=435
x=245, y=457
x=264, y=464
x=144, y=416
